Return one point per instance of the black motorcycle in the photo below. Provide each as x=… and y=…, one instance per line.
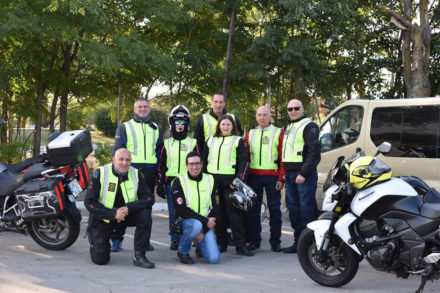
x=38, y=195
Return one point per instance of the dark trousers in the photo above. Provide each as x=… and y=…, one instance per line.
x=273, y=202
x=228, y=214
x=99, y=233
x=119, y=230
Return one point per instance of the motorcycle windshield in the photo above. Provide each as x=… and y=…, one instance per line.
x=378, y=167
x=3, y=167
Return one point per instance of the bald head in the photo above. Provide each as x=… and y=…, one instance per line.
x=295, y=109
x=122, y=160
x=263, y=116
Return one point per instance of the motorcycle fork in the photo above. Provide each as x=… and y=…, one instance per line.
x=330, y=232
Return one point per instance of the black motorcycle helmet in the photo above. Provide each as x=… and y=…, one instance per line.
x=180, y=112
x=243, y=197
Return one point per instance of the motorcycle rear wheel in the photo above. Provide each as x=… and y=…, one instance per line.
x=340, y=265
x=56, y=233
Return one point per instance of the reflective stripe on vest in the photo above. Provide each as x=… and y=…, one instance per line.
x=198, y=193
x=293, y=141
x=222, y=154
x=109, y=186
x=210, y=124
x=263, y=146
x=177, y=150
x=141, y=142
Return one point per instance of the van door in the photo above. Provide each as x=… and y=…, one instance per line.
x=413, y=132
x=340, y=135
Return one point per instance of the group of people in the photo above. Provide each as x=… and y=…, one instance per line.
x=195, y=175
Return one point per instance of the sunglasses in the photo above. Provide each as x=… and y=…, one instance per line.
x=290, y=109
x=179, y=122
x=194, y=164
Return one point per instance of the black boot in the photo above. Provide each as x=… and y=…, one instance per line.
x=185, y=258
x=244, y=250
x=141, y=260
x=223, y=246
x=199, y=252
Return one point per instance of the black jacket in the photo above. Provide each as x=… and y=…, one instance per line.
x=99, y=211
x=199, y=132
x=311, y=151
x=182, y=211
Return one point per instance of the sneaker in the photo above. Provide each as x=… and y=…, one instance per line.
x=174, y=245
x=116, y=245
x=185, y=259
x=290, y=249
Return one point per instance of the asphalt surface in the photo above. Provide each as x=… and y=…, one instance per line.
x=27, y=267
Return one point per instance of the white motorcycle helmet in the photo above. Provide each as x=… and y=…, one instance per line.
x=180, y=112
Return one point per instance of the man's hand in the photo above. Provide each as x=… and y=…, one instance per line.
x=300, y=179
x=279, y=185
x=160, y=190
x=211, y=223
x=121, y=213
x=199, y=238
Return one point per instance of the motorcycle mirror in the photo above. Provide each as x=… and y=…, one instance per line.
x=383, y=148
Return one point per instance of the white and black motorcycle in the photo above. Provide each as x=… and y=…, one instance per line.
x=371, y=215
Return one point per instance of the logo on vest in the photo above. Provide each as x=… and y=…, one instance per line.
x=184, y=147
x=112, y=187
x=265, y=140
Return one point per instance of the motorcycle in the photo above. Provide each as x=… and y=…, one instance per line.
x=391, y=222
x=38, y=195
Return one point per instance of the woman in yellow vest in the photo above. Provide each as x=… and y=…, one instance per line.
x=225, y=157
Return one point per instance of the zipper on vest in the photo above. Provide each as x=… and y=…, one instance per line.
x=178, y=168
x=219, y=152
x=285, y=144
x=198, y=193
x=261, y=144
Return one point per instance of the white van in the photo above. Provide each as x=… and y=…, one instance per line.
x=412, y=126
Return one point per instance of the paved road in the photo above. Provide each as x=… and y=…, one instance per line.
x=27, y=267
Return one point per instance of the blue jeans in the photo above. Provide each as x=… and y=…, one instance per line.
x=274, y=203
x=174, y=237
x=191, y=229
x=301, y=201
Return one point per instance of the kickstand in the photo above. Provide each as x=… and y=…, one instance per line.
x=422, y=285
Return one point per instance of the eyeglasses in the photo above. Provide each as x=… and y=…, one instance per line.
x=179, y=122
x=290, y=109
x=196, y=164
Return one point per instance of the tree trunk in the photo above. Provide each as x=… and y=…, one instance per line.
x=406, y=48
x=4, y=116
x=226, y=81
x=68, y=59
x=63, y=112
x=53, y=111
x=39, y=118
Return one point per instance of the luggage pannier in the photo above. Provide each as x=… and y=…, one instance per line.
x=69, y=147
x=40, y=198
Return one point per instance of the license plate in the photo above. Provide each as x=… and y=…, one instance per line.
x=75, y=188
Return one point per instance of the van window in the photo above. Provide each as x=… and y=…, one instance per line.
x=412, y=131
x=342, y=128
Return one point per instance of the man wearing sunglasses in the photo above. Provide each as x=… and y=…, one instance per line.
x=172, y=159
x=301, y=154
x=143, y=138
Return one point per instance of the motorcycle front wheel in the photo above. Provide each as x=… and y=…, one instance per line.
x=334, y=268
x=55, y=233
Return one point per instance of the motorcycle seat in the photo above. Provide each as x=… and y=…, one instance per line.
x=432, y=196
x=10, y=181
x=430, y=210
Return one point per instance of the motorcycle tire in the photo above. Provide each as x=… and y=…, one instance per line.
x=345, y=261
x=56, y=233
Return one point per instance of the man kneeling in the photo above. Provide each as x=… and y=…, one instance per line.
x=194, y=199
x=118, y=193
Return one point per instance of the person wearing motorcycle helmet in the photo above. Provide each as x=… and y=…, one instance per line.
x=367, y=171
x=225, y=157
x=172, y=159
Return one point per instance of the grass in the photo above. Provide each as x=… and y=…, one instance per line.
x=99, y=137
